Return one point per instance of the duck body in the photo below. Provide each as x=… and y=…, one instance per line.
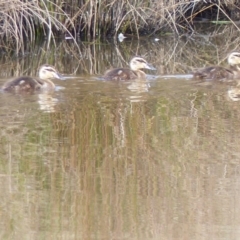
x=221, y=73
x=214, y=73
x=131, y=73
x=27, y=84
x=32, y=84
x=118, y=74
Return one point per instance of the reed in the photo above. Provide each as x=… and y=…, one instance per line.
x=25, y=20
x=169, y=55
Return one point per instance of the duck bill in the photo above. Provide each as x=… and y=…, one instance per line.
x=59, y=76
x=149, y=66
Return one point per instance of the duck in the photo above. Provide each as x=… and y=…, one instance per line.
x=221, y=73
x=131, y=73
x=31, y=84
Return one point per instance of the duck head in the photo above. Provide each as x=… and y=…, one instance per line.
x=234, y=59
x=138, y=63
x=49, y=72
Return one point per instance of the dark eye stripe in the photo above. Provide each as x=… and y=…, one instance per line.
x=50, y=70
x=141, y=60
x=236, y=54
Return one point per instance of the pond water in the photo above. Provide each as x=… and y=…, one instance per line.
x=154, y=159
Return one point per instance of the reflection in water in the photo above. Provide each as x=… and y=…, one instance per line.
x=102, y=166
x=234, y=94
x=139, y=86
x=47, y=102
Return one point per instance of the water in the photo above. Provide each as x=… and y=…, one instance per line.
x=133, y=160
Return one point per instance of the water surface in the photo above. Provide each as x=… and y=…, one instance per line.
x=155, y=159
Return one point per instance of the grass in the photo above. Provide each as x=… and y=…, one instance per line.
x=22, y=21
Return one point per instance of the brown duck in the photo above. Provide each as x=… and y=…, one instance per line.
x=30, y=84
x=221, y=73
x=134, y=72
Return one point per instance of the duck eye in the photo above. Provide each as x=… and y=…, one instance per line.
x=236, y=55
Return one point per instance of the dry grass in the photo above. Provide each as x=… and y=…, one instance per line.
x=169, y=55
x=141, y=16
x=24, y=21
